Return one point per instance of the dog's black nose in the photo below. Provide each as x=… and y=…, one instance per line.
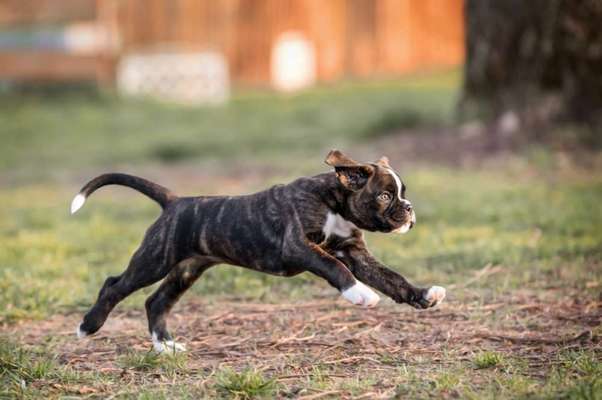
x=407, y=206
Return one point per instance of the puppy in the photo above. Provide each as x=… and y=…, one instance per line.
x=312, y=224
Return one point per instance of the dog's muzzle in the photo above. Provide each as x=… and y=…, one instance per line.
x=408, y=225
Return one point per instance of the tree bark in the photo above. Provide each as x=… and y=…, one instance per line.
x=541, y=59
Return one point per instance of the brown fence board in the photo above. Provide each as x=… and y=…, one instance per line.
x=351, y=37
x=41, y=66
x=19, y=12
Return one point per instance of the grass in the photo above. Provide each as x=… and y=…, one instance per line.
x=488, y=359
x=529, y=226
x=246, y=384
x=78, y=131
x=53, y=262
x=27, y=372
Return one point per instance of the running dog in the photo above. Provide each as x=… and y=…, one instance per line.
x=311, y=224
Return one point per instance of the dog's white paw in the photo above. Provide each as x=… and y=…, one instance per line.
x=167, y=346
x=435, y=295
x=80, y=333
x=361, y=295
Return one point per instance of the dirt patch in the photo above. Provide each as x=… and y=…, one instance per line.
x=289, y=341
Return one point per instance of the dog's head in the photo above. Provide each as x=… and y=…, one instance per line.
x=375, y=195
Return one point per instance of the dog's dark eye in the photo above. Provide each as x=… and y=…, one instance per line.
x=385, y=197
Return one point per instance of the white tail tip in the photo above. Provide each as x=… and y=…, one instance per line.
x=77, y=203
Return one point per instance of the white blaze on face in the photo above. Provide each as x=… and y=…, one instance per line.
x=337, y=225
x=397, y=182
x=405, y=227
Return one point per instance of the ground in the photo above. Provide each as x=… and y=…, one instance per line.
x=527, y=341
x=514, y=234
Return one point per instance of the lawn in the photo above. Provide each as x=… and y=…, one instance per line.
x=517, y=240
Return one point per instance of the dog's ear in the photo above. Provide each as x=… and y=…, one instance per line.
x=350, y=173
x=383, y=162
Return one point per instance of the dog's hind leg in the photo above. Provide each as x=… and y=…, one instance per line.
x=145, y=268
x=158, y=305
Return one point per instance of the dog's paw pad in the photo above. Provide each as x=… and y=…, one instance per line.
x=435, y=295
x=361, y=295
x=80, y=332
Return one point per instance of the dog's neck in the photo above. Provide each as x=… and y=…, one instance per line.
x=332, y=192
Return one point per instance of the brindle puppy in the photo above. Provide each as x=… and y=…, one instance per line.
x=312, y=224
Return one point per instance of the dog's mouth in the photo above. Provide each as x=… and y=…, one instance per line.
x=407, y=225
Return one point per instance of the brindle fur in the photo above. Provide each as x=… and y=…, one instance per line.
x=278, y=231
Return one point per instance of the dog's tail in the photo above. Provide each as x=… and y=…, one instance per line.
x=156, y=192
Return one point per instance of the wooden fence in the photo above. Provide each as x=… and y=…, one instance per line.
x=352, y=38
x=33, y=62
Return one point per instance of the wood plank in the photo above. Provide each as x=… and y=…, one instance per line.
x=20, y=12
x=47, y=66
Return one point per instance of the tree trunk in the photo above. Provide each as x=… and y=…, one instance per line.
x=540, y=59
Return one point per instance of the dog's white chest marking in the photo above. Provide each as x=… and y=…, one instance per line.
x=337, y=225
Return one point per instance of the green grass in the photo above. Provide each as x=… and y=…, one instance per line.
x=535, y=230
x=77, y=131
x=533, y=221
x=27, y=372
x=150, y=360
x=488, y=359
x=246, y=384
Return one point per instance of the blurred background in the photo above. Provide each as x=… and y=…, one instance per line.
x=489, y=109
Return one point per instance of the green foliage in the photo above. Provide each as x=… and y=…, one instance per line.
x=141, y=361
x=488, y=359
x=247, y=384
x=82, y=131
x=24, y=372
x=168, y=364
x=590, y=389
x=20, y=367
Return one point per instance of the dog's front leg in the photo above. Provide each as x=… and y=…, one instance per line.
x=372, y=272
x=314, y=259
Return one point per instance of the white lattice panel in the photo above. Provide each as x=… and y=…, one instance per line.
x=193, y=78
